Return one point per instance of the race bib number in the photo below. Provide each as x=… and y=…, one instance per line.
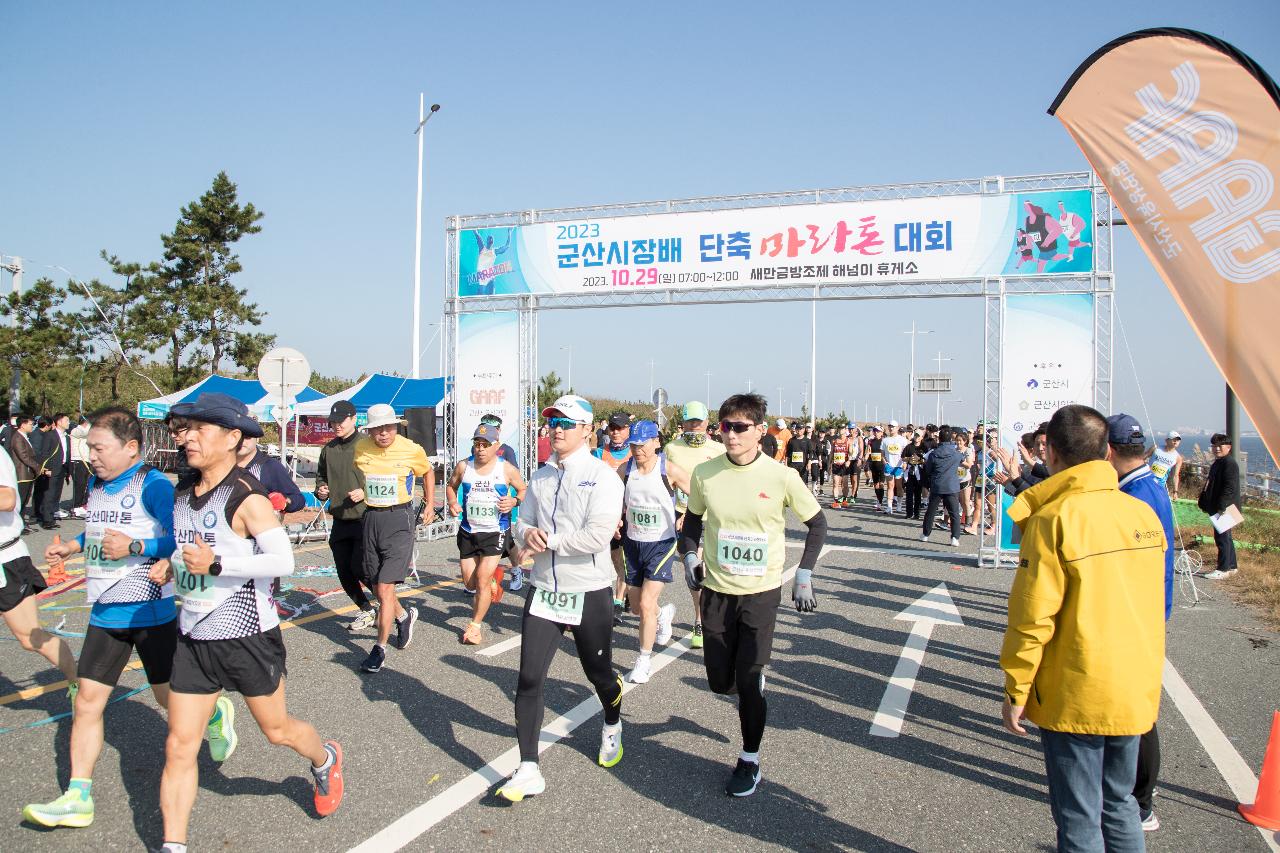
x=1160, y=470
x=564, y=608
x=743, y=553
x=380, y=489
x=876, y=457
x=838, y=458
x=646, y=519
x=797, y=457
x=197, y=591
x=483, y=509
x=96, y=564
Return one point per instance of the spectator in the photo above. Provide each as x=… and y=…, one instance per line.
x=1127, y=452
x=57, y=461
x=26, y=466
x=1084, y=647
x=544, y=445
x=942, y=473
x=1221, y=490
x=80, y=470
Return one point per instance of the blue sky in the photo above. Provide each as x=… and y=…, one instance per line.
x=117, y=114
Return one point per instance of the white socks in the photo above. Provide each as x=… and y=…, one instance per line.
x=753, y=757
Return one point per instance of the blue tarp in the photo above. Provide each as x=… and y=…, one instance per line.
x=398, y=391
x=248, y=391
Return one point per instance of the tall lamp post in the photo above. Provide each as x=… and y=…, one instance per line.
x=911, y=390
x=569, y=374
x=938, y=399
x=423, y=117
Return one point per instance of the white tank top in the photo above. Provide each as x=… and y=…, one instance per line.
x=649, y=505
x=120, y=581
x=219, y=608
x=1162, y=463
x=480, y=494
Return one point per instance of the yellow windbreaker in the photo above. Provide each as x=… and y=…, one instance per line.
x=1084, y=649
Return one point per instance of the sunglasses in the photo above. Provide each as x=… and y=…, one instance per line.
x=491, y=422
x=735, y=426
x=562, y=423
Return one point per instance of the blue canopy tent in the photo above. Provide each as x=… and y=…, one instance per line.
x=248, y=391
x=399, y=392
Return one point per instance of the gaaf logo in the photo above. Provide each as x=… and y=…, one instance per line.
x=128, y=502
x=210, y=519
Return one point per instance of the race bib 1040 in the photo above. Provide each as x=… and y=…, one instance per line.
x=743, y=553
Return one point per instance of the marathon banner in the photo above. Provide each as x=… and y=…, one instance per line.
x=1182, y=128
x=487, y=376
x=1047, y=357
x=837, y=242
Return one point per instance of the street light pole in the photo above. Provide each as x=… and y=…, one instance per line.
x=938, y=398
x=709, y=389
x=15, y=268
x=423, y=117
x=911, y=390
x=569, y=375
x=651, y=362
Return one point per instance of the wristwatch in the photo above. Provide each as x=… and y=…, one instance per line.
x=215, y=568
x=135, y=548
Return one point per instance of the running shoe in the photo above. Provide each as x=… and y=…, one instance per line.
x=1218, y=574
x=222, y=732
x=495, y=586
x=695, y=638
x=924, y=538
x=404, y=628
x=745, y=778
x=955, y=543
x=364, y=620
x=610, y=745
x=329, y=783
x=639, y=674
x=1150, y=823
x=527, y=781
x=67, y=810
x=517, y=580
x=374, y=661
x=666, y=614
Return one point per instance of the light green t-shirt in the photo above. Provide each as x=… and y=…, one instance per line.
x=744, y=526
x=687, y=458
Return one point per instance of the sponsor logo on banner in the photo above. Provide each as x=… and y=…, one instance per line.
x=1048, y=353
x=487, y=382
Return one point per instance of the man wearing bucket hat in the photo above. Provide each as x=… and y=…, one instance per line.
x=390, y=463
x=689, y=450
x=229, y=546
x=573, y=506
x=649, y=484
x=482, y=492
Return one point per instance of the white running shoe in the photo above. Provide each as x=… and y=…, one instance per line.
x=666, y=613
x=639, y=674
x=924, y=538
x=527, y=781
x=610, y=745
x=1217, y=574
x=955, y=543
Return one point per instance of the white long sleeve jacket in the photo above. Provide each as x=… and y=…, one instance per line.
x=577, y=502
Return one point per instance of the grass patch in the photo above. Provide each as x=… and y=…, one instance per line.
x=1257, y=539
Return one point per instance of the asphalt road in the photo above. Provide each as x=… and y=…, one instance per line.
x=427, y=738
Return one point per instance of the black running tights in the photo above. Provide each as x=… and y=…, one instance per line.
x=539, y=639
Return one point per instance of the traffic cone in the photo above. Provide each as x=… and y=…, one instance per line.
x=1265, y=811
x=58, y=570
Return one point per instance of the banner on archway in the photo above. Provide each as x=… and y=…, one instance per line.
x=1048, y=358
x=487, y=377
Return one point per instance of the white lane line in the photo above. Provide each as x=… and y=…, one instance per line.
x=404, y=830
x=1231, y=766
x=897, y=552
x=498, y=648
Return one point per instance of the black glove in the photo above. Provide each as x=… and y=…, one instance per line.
x=694, y=571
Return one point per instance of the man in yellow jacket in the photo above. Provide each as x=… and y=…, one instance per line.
x=1084, y=649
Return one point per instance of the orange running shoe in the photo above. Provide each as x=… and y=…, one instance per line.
x=329, y=782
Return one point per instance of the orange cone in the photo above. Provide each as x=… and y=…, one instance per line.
x=1265, y=811
x=58, y=569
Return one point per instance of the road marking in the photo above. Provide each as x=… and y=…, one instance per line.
x=412, y=825
x=896, y=552
x=1231, y=766
x=925, y=613
x=498, y=648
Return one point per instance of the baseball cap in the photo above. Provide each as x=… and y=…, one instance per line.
x=694, y=411
x=222, y=410
x=1124, y=429
x=1173, y=433
x=619, y=419
x=893, y=423
x=877, y=428
x=488, y=432
x=642, y=431
x=570, y=406
x=340, y=411
x=782, y=424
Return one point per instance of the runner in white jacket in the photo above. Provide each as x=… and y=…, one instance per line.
x=571, y=511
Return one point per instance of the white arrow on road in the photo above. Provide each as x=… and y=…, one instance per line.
x=931, y=609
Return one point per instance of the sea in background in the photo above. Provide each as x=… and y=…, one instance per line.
x=1259, y=460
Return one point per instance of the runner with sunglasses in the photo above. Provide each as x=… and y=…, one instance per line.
x=573, y=507
x=739, y=501
x=615, y=453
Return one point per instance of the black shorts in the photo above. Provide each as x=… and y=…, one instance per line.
x=388, y=543
x=840, y=471
x=21, y=581
x=738, y=629
x=509, y=545
x=250, y=666
x=475, y=546
x=107, y=650
x=877, y=472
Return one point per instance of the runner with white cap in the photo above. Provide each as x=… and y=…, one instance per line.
x=649, y=537
x=482, y=492
x=689, y=450
x=390, y=464
x=892, y=447
x=573, y=507
x=1168, y=462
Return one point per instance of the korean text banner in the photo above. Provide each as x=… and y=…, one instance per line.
x=487, y=380
x=1046, y=359
x=838, y=242
x=1184, y=131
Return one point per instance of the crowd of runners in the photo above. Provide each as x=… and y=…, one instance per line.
x=614, y=513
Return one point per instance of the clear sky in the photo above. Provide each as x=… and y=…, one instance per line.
x=115, y=115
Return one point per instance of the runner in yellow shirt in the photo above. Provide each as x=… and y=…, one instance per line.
x=390, y=463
